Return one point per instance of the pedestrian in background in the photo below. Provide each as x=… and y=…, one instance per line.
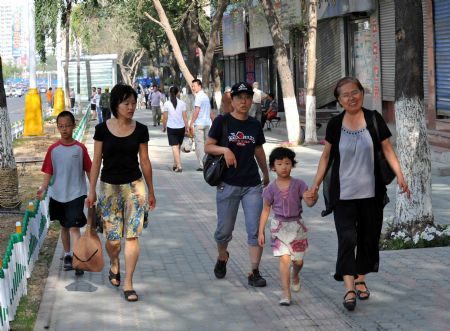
x=241, y=180
x=200, y=120
x=258, y=97
x=105, y=105
x=288, y=233
x=49, y=96
x=72, y=98
x=356, y=191
x=93, y=104
x=155, y=103
x=98, y=108
x=67, y=161
x=176, y=122
x=122, y=198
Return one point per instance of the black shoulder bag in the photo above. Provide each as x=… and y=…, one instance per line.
x=214, y=165
x=387, y=174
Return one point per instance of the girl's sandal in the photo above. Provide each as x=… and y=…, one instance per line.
x=350, y=304
x=362, y=294
x=131, y=296
x=112, y=276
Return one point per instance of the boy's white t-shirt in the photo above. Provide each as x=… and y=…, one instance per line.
x=175, y=116
x=202, y=101
x=67, y=164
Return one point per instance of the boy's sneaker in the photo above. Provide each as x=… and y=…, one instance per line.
x=255, y=279
x=68, y=263
x=220, y=269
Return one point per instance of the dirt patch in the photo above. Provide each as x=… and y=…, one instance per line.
x=29, y=152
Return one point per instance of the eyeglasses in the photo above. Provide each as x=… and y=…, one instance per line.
x=353, y=93
x=62, y=127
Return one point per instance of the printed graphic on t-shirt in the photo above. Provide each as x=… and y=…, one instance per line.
x=240, y=139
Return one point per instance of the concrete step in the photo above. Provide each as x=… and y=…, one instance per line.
x=439, y=138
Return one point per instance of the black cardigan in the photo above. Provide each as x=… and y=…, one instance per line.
x=331, y=184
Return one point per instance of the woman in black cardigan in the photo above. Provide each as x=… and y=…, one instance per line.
x=356, y=192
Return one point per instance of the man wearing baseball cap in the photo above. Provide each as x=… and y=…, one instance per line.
x=243, y=154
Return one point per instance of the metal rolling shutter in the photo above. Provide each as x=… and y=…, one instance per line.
x=387, y=49
x=442, y=55
x=425, y=9
x=329, y=62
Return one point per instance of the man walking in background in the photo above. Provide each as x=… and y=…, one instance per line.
x=258, y=97
x=201, y=120
x=105, y=105
x=155, y=103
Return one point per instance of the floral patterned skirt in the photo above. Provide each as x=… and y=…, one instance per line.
x=289, y=238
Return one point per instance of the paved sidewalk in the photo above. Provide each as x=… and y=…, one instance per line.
x=178, y=291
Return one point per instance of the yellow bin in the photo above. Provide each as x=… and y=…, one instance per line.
x=58, y=101
x=33, y=121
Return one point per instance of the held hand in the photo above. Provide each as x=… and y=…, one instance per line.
x=151, y=201
x=163, y=129
x=403, y=186
x=90, y=200
x=40, y=193
x=261, y=239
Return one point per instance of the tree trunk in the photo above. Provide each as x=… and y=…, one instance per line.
x=88, y=79
x=213, y=39
x=310, y=113
x=9, y=183
x=193, y=23
x=173, y=41
x=66, y=23
x=412, y=143
x=78, y=46
x=287, y=83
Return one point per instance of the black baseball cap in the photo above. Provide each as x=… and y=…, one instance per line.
x=242, y=87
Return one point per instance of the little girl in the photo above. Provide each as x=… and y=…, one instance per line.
x=287, y=231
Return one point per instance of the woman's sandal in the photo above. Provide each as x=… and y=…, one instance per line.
x=131, y=293
x=350, y=304
x=113, y=276
x=362, y=294
x=178, y=170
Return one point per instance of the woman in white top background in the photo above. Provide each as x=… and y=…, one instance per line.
x=176, y=122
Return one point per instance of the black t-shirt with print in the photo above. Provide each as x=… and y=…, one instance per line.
x=243, y=137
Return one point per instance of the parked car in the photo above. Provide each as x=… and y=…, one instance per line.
x=18, y=92
x=8, y=91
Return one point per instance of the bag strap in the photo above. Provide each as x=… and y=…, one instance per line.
x=375, y=125
x=223, y=138
x=91, y=223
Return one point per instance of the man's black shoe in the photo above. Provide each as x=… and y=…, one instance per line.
x=255, y=279
x=68, y=263
x=220, y=269
x=199, y=169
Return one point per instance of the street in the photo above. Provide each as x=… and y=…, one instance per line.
x=16, y=107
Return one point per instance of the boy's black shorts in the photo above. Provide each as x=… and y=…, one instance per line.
x=69, y=214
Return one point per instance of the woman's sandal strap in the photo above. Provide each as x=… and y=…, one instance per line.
x=113, y=276
x=347, y=293
x=130, y=293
